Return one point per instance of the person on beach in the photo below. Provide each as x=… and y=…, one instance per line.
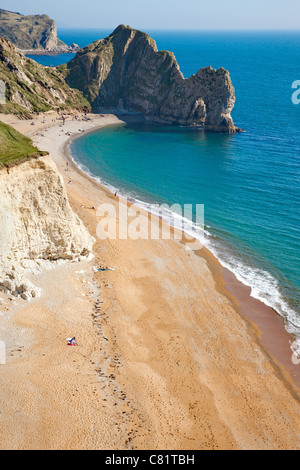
x=102, y=269
x=72, y=341
x=105, y=269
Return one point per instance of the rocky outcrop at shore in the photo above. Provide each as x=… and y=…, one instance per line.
x=37, y=225
x=32, y=33
x=54, y=51
x=126, y=72
x=123, y=73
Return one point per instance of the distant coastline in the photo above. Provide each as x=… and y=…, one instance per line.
x=52, y=52
x=33, y=33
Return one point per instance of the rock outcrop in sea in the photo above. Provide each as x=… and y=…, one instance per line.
x=126, y=72
x=37, y=225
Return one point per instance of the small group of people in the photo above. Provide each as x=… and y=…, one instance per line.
x=106, y=268
x=72, y=341
x=102, y=268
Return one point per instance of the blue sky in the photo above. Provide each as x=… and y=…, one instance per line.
x=166, y=14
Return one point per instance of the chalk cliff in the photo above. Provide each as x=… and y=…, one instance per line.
x=37, y=225
x=126, y=72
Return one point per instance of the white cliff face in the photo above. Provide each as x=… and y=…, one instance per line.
x=50, y=41
x=37, y=225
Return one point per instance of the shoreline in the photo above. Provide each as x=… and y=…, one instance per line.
x=268, y=324
x=143, y=205
x=177, y=338
x=43, y=52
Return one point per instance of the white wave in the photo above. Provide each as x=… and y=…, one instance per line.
x=263, y=285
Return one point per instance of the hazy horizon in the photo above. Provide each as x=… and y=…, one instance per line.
x=173, y=15
x=112, y=28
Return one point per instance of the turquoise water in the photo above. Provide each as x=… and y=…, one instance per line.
x=249, y=183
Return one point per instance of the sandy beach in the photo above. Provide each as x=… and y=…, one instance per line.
x=173, y=353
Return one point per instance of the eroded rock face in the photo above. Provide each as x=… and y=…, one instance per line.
x=126, y=72
x=37, y=225
x=31, y=87
x=32, y=32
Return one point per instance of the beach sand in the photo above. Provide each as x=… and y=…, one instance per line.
x=172, y=351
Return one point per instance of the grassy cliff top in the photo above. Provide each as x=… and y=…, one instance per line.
x=15, y=147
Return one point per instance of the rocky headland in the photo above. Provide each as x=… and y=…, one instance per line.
x=126, y=72
x=33, y=34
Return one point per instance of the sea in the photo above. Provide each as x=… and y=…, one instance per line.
x=248, y=182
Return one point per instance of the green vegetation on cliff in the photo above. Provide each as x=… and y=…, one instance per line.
x=116, y=70
x=37, y=32
x=123, y=72
x=126, y=72
x=31, y=87
x=15, y=147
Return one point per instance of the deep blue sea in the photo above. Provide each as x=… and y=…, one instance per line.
x=249, y=183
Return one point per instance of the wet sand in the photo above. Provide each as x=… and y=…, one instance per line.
x=173, y=352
